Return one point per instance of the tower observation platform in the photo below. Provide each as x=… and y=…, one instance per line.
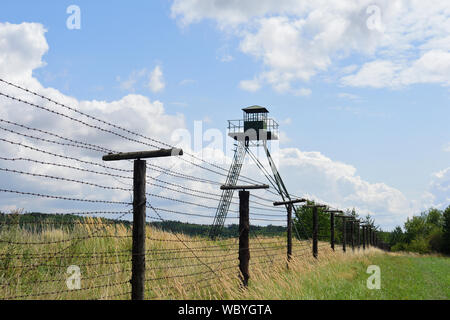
x=255, y=126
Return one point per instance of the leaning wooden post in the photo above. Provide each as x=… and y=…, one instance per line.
x=244, y=228
x=289, y=205
x=139, y=207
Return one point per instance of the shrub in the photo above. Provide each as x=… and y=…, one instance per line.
x=419, y=245
x=436, y=240
x=400, y=246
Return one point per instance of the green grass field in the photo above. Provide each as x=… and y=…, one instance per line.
x=403, y=277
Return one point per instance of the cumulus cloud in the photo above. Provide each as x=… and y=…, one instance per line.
x=250, y=85
x=400, y=42
x=432, y=67
x=156, y=82
x=153, y=80
x=21, y=48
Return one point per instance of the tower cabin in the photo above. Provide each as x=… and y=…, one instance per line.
x=255, y=126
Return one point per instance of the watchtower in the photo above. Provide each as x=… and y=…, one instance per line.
x=255, y=126
x=255, y=129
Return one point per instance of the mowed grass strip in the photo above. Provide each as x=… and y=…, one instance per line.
x=403, y=277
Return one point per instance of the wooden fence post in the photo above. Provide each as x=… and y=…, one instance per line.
x=344, y=235
x=244, y=229
x=289, y=205
x=359, y=237
x=315, y=232
x=289, y=232
x=139, y=207
x=332, y=230
x=364, y=237
x=352, y=232
x=138, y=249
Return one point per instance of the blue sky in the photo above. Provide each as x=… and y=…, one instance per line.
x=395, y=133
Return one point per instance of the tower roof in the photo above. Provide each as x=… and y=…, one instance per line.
x=255, y=109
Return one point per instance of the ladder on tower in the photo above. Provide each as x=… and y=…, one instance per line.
x=227, y=195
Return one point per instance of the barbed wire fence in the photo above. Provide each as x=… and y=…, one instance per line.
x=82, y=248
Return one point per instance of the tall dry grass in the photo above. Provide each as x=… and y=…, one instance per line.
x=34, y=264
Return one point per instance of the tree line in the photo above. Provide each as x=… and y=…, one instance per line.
x=425, y=233
x=428, y=232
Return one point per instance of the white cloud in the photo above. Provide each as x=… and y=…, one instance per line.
x=432, y=67
x=130, y=83
x=21, y=49
x=250, y=85
x=338, y=184
x=349, y=96
x=296, y=40
x=156, y=82
x=136, y=80
x=440, y=188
